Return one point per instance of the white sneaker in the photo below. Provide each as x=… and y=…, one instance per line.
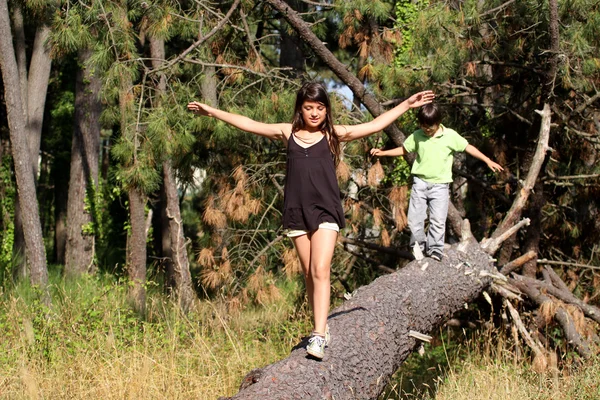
x=316, y=346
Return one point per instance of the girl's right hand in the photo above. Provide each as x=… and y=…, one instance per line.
x=199, y=108
x=376, y=152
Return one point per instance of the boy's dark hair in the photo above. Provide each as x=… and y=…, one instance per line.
x=430, y=114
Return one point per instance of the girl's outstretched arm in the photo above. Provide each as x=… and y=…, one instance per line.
x=353, y=132
x=272, y=131
x=398, y=151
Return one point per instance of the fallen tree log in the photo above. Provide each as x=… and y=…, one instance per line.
x=370, y=331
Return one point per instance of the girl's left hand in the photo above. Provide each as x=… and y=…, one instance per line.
x=198, y=108
x=420, y=99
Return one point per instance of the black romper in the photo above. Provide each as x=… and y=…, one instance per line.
x=312, y=194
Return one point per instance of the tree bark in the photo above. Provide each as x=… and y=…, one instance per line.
x=136, y=250
x=33, y=86
x=83, y=181
x=371, y=332
x=34, y=245
x=181, y=266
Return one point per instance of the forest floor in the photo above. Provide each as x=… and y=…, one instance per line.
x=88, y=344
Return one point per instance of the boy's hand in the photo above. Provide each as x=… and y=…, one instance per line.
x=376, y=152
x=494, y=166
x=420, y=99
x=198, y=108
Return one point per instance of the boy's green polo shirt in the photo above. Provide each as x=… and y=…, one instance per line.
x=435, y=154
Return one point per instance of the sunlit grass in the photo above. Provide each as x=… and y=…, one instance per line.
x=89, y=344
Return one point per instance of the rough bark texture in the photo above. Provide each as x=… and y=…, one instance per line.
x=83, y=181
x=37, y=87
x=34, y=245
x=370, y=332
x=33, y=86
x=181, y=266
x=338, y=68
x=136, y=250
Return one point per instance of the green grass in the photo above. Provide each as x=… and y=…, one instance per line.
x=89, y=344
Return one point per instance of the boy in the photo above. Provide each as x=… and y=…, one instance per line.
x=435, y=146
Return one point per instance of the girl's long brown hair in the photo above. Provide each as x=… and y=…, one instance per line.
x=314, y=91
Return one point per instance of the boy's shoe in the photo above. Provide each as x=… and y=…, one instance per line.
x=316, y=346
x=436, y=255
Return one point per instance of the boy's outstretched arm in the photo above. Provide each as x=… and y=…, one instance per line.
x=472, y=150
x=398, y=151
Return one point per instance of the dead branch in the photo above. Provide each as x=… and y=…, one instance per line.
x=536, y=165
x=556, y=280
x=490, y=245
x=562, y=317
x=566, y=263
x=516, y=263
x=536, y=347
x=589, y=310
x=507, y=291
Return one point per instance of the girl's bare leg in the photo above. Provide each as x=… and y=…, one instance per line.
x=302, y=245
x=322, y=245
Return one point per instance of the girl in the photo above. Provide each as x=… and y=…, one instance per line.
x=313, y=213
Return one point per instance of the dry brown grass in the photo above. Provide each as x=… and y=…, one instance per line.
x=202, y=356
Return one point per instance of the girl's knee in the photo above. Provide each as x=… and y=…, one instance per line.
x=320, y=272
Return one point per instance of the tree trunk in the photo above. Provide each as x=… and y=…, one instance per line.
x=34, y=245
x=179, y=258
x=181, y=267
x=33, y=87
x=61, y=186
x=83, y=180
x=37, y=87
x=371, y=332
x=291, y=55
x=136, y=251
x=165, y=243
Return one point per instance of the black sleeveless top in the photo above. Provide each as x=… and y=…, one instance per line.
x=312, y=194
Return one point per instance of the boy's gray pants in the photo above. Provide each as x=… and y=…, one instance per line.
x=433, y=196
